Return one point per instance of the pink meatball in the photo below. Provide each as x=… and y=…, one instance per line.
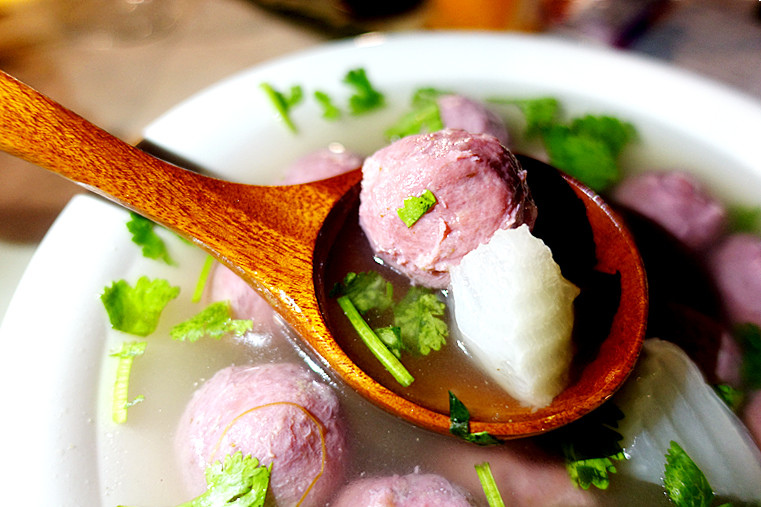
x=736, y=268
x=479, y=188
x=322, y=164
x=412, y=490
x=277, y=413
x=458, y=112
x=525, y=474
x=677, y=202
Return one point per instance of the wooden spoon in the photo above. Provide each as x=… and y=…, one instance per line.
x=268, y=236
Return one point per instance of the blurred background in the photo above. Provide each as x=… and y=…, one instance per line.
x=121, y=63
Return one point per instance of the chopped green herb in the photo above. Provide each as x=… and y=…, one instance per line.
x=590, y=445
x=367, y=291
x=423, y=117
x=203, y=277
x=489, y=485
x=585, y=158
x=745, y=219
x=391, y=336
x=414, y=207
x=614, y=133
x=284, y=103
x=587, y=147
x=539, y=114
x=418, y=317
x=145, y=236
x=239, y=482
x=136, y=310
x=365, y=97
x=748, y=336
x=685, y=483
x=120, y=402
x=215, y=321
x=329, y=110
x=459, y=424
x=733, y=397
x=376, y=346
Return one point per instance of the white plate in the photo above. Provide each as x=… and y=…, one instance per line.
x=55, y=428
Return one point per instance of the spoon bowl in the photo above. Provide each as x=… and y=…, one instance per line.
x=274, y=238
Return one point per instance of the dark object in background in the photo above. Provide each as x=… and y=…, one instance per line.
x=363, y=9
x=340, y=18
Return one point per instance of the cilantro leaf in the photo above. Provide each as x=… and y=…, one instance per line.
x=540, y=113
x=365, y=98
x=685, y=483
x=418, y=317
x=239, y=482
x=136, y=310
x=614, y=133
x=590, y=445
x=143, y=235
x=329, y=110
x=585, y=158
x=367, y=290
x=284, y=103
x=423, y=117
x=459, y=424
x=120, y=402
x=415, y=207
x=748, y=336
x=215, y=321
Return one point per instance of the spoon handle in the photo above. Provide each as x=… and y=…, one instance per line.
x=266, y=234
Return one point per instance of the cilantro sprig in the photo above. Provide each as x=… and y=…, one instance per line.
x=136, y=309
x=590, y=446
x=587, y=147
x=144, y=235
x=416, y=322
x=214, y=321
x=284, y=102
x=239, y=482
x=365, y=97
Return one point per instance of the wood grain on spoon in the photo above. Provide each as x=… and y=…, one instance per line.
x=268, y=236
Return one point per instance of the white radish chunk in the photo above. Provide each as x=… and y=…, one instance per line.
x=667, y=398
x=514, y=311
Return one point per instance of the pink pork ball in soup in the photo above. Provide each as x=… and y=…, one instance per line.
x=458, y=112
x=277, y=413
x=525, y=475
x=411, y=490
x=321, y=164
x=736, y=268
x=478, y=186
x=677, y=202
